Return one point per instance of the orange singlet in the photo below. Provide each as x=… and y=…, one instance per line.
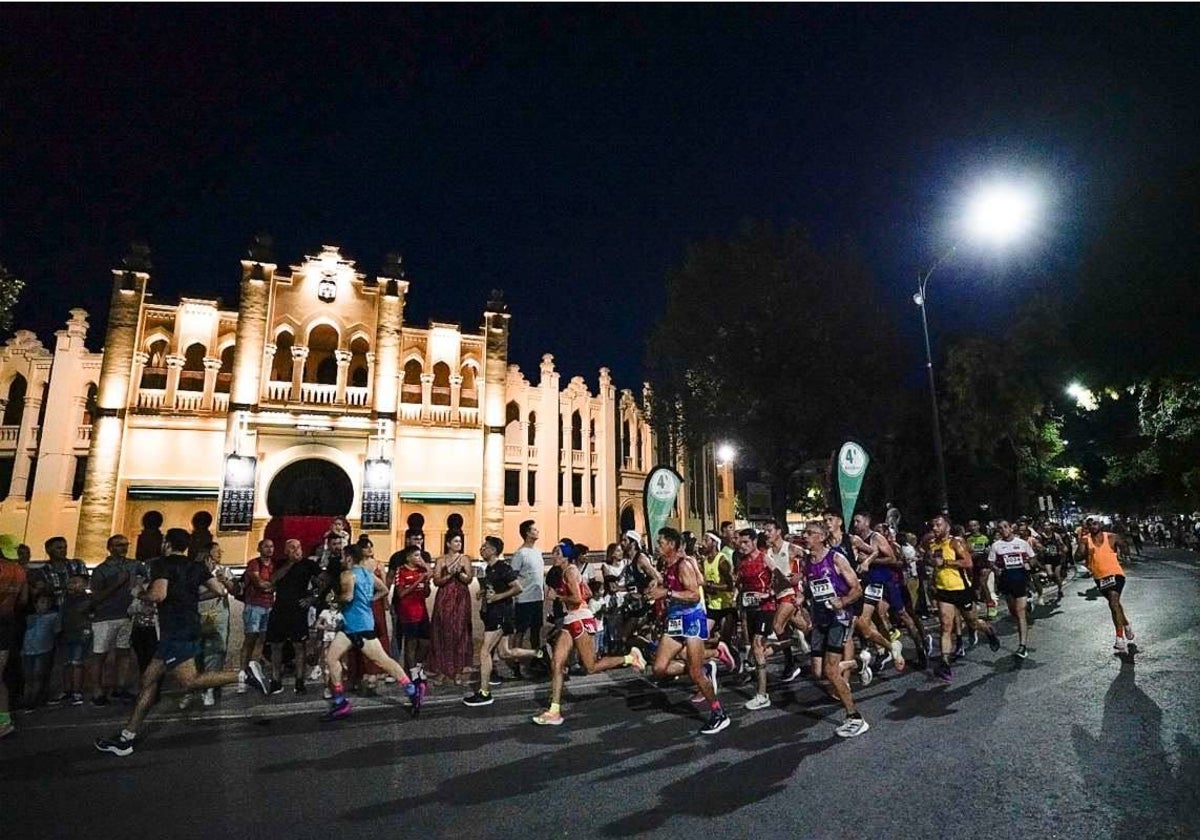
x=1102, y=558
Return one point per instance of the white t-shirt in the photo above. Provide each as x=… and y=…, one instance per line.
x=531, y=572
x=1010, y=555
x=909, y=554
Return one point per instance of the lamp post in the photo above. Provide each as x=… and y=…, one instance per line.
x=997, y=213
x=723, y=455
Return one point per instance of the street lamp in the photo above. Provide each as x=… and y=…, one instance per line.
x=723, y=454
x=997, y=214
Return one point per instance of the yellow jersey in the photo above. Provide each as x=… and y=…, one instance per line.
x=950, y=578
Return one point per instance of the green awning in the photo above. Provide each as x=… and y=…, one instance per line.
x=162, y=493
x=437, y=498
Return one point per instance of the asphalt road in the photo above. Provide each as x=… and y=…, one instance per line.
x=1074, y=742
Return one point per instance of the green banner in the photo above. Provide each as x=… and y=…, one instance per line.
x=852, y=461
x=661, y=491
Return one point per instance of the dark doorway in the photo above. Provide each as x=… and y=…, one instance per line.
x=312, y=487
x=628, y=523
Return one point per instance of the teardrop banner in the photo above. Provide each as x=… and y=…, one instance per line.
x=852, y=462
x=661, y=491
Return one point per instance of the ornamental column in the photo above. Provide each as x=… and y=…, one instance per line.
x=140, y=359
x=426, y=395
x=27, y=438
x=100, y=486
x=342, y=357
x=299, y=355
x=174, y=364
x=455, y=396
x=389, y=321
x=211, y=366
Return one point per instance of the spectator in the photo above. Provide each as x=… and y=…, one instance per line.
x=201, y=536
x=77, y=636
x=259, y=597
x=52, y=579
x=41, y=633
x=451, y=646
x=112, y=626
x=293, y=579
x=14, y=593
x=143, y=614
x=150, y=540
x=214, y=623
x=410, y=577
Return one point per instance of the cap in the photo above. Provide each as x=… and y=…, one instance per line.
x=8, y=546
x=632, y=535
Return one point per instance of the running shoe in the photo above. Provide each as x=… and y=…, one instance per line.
x=276, y=687
x=992, y=611
x=725, y=656
x=495, y=679
x=60, y=699
x=974, y=638
x=209, y=697
x=339, y=709
x=886, y=660
x=758, y=701
x=117, y=744
x=802, y=643
x=791, y=675
x=639, y=660
x=1119, y=645
x=864, y=657
x=698, y=698
x=1022, y=653
x=959, y=650
x=186, y=701
x=479, y=699
x=993, y=640
x=942, y=671
x=894, y=635
x=548, y=718
x=256, y=677
x=852, y=728
x=922, y=658
x=315, y=674
x=898, y=655
x=416, y=691
x=100, y=700
x=929, y=645
x=711, y=668
x=717, y=721
x=76, y=698
x=1128, y=632
x=866, y=674
x=300, y=688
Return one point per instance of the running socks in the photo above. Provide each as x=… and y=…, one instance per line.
x=127, y=735
x=554, y=708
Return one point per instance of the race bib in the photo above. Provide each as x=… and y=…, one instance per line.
x=822, y=589
x=751, y=599
x=1106, y=583
x=675, y=626
x=1014, y=561
x=874, y=591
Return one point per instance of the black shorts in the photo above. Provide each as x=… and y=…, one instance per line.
x=287, y=624
x=759, y=623
x=830, y=639
x=1014, y=584
x=528, y=616
x=357, y=640
x=413, y=629
x=720, y=615
x=502, y=620
x=962, y=598
x=1110, y=583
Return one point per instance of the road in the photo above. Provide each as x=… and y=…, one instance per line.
x=1074, y=742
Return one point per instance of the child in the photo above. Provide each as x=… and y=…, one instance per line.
x=41, y=631
x=76, y=615
x=328, y=623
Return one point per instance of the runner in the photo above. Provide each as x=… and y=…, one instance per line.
x=783, y=559
x=357, y=588
x=1098, y=548
x=979, y=543
x=878, y=565
x=758, y=607
x=1012, y=556
x=951, y=560
x=579, y=625
x=1037, y=566
x=687, y=626
x=718, y=587
x=498, y=589
x=1055, y=556
x=832, y=587
x=175, y=583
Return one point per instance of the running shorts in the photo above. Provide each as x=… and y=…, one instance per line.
x=1013, y=584
x=1110, y=583
x=828, y=639
x=357, y=640
x=961, y=598
x=502, y=620
x=690, y=624
x=759, y=623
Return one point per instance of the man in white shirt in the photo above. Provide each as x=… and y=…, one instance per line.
x=530, y=567
x=1010, y=556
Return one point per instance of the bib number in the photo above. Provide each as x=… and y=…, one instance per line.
x=675, y=626
x=1106, y=583
x=822, y=589
x=1013, y=561
x=751, y=599
x=874, y=591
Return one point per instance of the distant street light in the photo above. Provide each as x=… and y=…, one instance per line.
x=996, y=214
x=725, y=454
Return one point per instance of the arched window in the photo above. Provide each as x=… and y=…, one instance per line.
x=15, y=407
x=225, y=374
x=410, y=391
x=576, y=432
x=512, y=424
x=191, y=378
x=357, y=377
x=89, y=405
x=468, y=396
x=532, y=428
x=321, y=365
x=626, y=443
x=281, y=365
x=154, y=374
x=441, y=384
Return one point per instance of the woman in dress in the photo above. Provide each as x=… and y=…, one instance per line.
x=451, y=646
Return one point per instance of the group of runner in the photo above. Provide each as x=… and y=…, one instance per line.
x=840, y=598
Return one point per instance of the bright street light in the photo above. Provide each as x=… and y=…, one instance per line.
x=996, y=214
x=726, y=453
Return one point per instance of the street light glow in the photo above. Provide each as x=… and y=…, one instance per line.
x=1000, y=213
x=1083, y=397
x=726, y=453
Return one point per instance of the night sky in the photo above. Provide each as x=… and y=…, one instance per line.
x=568, y=154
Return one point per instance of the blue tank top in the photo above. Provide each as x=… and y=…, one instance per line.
x=825, y=582
x=356, y=615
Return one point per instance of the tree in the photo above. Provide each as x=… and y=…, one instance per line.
x=776, y=344
x=10, y=290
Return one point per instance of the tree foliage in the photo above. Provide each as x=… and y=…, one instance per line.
x=10, y=290
x=773, y=343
